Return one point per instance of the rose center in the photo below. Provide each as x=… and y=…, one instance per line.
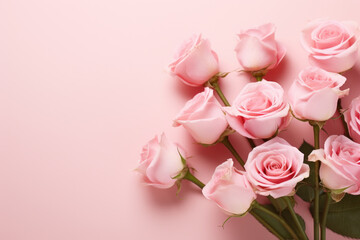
x=318, y=81
x=256, y=102
x=329, y=32
x=274, y=166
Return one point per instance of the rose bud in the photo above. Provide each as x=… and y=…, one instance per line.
x=259, y=111
x=160, y=162
x=340, y=165
x=195, y=63
x=203, y=118
x=230, y=189
x=315, y=93
x=275, y=167
x=257, y=49
x=331, y=45
x=352, y=118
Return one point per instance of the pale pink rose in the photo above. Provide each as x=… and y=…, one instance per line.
x=314, y=94
x=259, y=111
x=194, y=62
x=331, y=45
x=340, y=166
x=230, y=189
x=203, y=118
x=275, y=167
x=160, y=162
x=257, y=48
x=352, y=118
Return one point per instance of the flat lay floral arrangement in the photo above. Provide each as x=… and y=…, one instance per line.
x=328, y=176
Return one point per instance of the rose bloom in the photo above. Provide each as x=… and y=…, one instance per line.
x=203, y=118
x=160, y=162
x=340, y=166
x=315, y=93
x=352, y=118
x=259, y=111
x=258, y=50
x=230, y=189
x=331, y=45
x=194, y=62
x=275, y=167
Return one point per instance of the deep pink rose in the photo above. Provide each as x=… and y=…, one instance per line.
x=314, y=94
x=160, y=162
x=259, y=111
x=203, y=118
x=230, y=189
x=258, y=50
x=275, y=167
x=352, y=117
x=194, y=62
x=340, y=166
x=331, y=45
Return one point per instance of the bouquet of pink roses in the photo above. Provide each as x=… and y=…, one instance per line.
x=328, y=177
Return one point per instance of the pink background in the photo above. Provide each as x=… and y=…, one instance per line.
x=84, y=87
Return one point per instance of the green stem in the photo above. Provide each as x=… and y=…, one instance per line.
x=258, y=78
x=277, y=217
x=316, y=129
x=216, y=86
x=295, y=218
x=229, y=146
x=267, y=226
x=324, y=216
x=346, y=129
x=251, y=142
x=193, y=179
x=276, y=203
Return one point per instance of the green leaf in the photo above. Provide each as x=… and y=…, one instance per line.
x=306, y=148
x=305, y=188
x=274, y=223
x=305, y=192
x=183, y=160
x=344, y=216
x=278, y=203
x=287, y=216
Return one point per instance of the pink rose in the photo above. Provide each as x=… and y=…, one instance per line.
x=352, y=117
x=258, y=50
x=230, y=189
x=340, y=166
x=331, y=45
x=314, y=94
x=203, y=118
x=259, y=111
x=194, y=62
x=275, y=167
x=160, y=162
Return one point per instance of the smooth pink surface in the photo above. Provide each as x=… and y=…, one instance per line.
x=84, y=87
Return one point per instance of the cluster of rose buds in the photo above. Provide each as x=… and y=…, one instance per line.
x=260, y=111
